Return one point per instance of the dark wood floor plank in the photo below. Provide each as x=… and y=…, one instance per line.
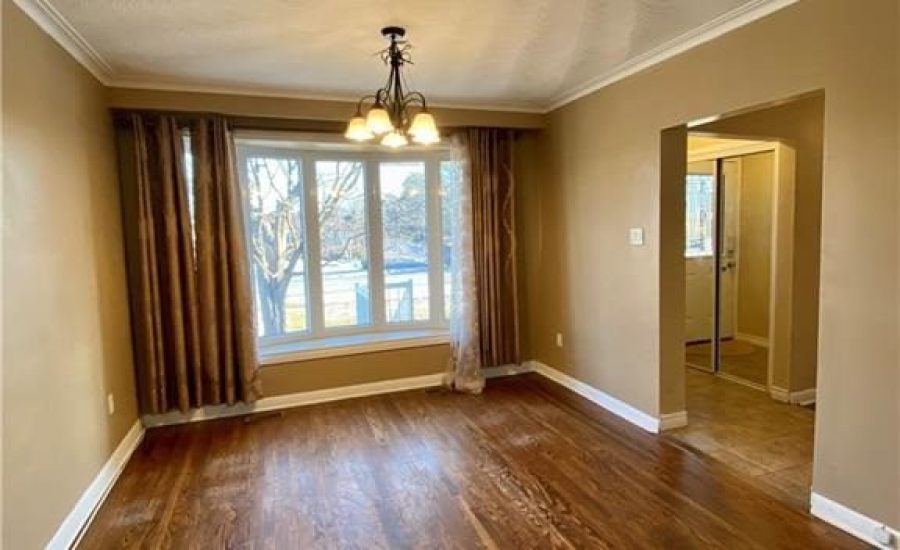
x=525, y=465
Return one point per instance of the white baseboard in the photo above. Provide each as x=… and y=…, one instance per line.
x=801, y=397
x=851, y=521
x=616, y=406
x=779, y=394
x=317, y=396
x=758, y=340
x=507, y=370
x=295, y=400
x=80, y=517
x=671, y=421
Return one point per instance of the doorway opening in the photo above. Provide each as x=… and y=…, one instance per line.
x=743, y=283
x=729, y=207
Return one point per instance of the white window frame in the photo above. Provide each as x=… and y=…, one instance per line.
x=352, y=339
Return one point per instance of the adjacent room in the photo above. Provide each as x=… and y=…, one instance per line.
x=741, y=240
x=505, y=274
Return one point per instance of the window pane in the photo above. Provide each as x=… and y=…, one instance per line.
x=404, y=208
x=277, y=243
x=699, y=211
x=342, y=227
x=451, y=179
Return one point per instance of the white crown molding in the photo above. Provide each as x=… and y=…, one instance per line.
x=81, y=515
x=736, y=18
x=53, y=23
x=860, y=526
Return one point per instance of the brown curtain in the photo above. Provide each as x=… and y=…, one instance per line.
x=490, y=156
x=189, y=285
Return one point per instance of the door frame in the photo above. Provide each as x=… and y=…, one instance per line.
x=783, y=173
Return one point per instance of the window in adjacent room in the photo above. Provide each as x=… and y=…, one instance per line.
x=699, y=213
x=345, y=242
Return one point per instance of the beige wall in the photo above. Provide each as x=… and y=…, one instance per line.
x=65, y=314
x=755, y=245
x=615, y=304
x=305, y=109
x=348, y=370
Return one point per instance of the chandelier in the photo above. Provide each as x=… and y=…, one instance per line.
x=389, y=116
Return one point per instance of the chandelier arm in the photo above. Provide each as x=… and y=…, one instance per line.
x=412, y=97
x=359, y=104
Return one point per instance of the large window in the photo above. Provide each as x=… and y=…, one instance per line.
x=346, y=243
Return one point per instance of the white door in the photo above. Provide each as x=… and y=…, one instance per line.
x=700, y=209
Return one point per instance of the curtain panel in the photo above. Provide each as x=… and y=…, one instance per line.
x=490, y=175
x=191, y=306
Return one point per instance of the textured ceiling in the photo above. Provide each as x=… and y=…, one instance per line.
x=517, y=53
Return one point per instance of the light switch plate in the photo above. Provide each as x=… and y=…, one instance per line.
x=636, y=236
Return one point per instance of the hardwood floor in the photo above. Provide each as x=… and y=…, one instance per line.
x=526, y=465
x=764, y=440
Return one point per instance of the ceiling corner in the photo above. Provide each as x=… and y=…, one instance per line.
x=51, y=21
x=739, y=17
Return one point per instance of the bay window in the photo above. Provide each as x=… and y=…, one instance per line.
x=346, y=244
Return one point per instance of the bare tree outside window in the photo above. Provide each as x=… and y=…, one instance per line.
x=311, y=219
x=277, y=239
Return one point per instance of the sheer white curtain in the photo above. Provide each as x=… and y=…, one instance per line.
x=464, y=373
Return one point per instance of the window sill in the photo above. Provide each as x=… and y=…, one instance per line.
x=339, y=346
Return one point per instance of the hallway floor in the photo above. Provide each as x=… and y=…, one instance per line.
x=768, y=442
x=740, y=358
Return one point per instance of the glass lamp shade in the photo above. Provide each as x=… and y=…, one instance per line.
x=357, y=130
x=423, y=129
x=394, y=140
x=378, y=121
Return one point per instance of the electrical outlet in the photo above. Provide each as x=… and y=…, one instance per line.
x=110, y=403
x=559, y=340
